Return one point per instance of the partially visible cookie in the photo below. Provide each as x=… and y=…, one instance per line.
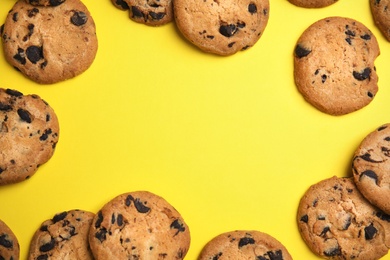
x=49, y=44
x=139, y=225
x=149, y=12
x=9, y=245
x=222, y=27
x=65, y=236
x=29, y=132
x=45, y=2
x=371, y=167
x=334, y=65
x=337, y=222
x=381, y=15
x=312, y=3
x=244, y=244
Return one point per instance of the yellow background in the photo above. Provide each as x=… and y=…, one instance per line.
x=228, y=141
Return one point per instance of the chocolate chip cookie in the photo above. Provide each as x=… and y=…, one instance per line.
x=244, y=244
x=139, y=225
x=9, y=245
x=371, y=167
x=222, y=27
x=65, y=236
x=337, y=222
x=149, y=12
x=381, y=15
x=49, y=44
x=334, y=65
x=312, y=3
x=29, y=132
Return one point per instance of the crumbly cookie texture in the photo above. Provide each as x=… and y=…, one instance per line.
x=9, y=245
x=49, y=44
x=244, y=244
x=65, y=236
x=371, y=167
x=381, y=16
x=334, y=65
x=29, y=132
x=312, y=3
x=149, y=12
x=222, y=27
x=337, y=222
x=139, y=225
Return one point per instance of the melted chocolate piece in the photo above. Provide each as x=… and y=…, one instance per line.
x=34, y=54
x=48, y=246
x=122, y=4
x=271, y=255
x=79, y=18
x=301, y=52
x=5, y=242
x=20, y=56
x=252, y=8
x=137, y=13
x=177, y=224
x=365, y=74
x=332, y=252
x=228, y=30
x=59, y=217
x=24, y=115
x=305, y=218
x=45, y=135
x=157, y=16
x=369, y=232
x=245, y=241
x=56, y=2
x=371, y=174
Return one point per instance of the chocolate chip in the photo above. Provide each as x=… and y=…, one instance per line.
x=24, y=115
x=305, y=218
x=79, y=18
x=137, y=13
x=1, y=170
x=5, y=242
x=15, y=17
x=371, y=174
x=252, y=8
x=157, y=16
x=365, y=74
x=231, y=44
x=245, y=241
x=228, y=30
x=55, y=2
x=367, y=157
x=366, y=37
x=332, y=252
x=301, y=52
x=217, y=256
x=369, y=94
x=387, y=139
x=59, y=217
x=47, y=117
x=119, y=220
x=42, y=257
x=383, y=216
x=20, y=56
x=5, y=107
x=140, y=206
x=45, y=135
x=33, y=12
x=113, y=218
x=369, y=232
x=99, y=219
x=48, y=246
x=34, y=54
x=271, y=255
x=177, y=224
x=324, y=231
x=122, y=4
x=323, y=78
x=128, y=200
x=101, y=234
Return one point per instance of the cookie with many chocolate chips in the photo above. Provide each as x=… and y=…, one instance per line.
x=222, y=27
x=334, y=65
x=139, y=225
x=49, y=44
x=149, y=12
x=45, y=2
x=337, y=222
x=312, y=3
x=9, y=245
x=244, y=244
x=65, y=236
x=371, y=167
x=381, y=15
x=29, y=132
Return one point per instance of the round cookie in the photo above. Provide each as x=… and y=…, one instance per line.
x=312, y=3
x=65, y=236
x=337, y=222
x=222, y=27
x=45, y=2
x=29, y=132
x=381, y=16
x=139, y=225
x=9, y=245
x=244, y=244
x=371, y=167
x=152, y=13
x=334, y=65
x=49, y=44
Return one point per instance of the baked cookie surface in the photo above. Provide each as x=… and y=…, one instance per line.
x=149, y=12
x=65, y=236
x=222, y=27
x=9, y=245
x=371, y=167
x=139, y=225
x=337, y=222
x=45, y=2
x=244, y=244
x=381, y=16
x=312, y=3
x=29, y=132
x=334, y=65
x=49, y=44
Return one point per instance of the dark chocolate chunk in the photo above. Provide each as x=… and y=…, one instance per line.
x=157, y=16
x=245, y=241
x=59, y=217
x=366, y=37
x=217, y=256
x=369, y=232
x=34, y=54
x=5, y=107
x=33, y=12
x=45, y=135
x=99, y=219
x=367, y=157
x=140, y=206
x=301, y=52
x=79, y=18
x=56, y=2
x=48, y=246
x=128, y=200
x=363, y=75
x=15, y=17
x=119, y=220
x=101, y=234
x=252, y=8
x=137, y=13
x=271, y=255
x=177, y=224
x=332, y=252
x=20, y=56
x=324, y=231
x=371, y=174
x=24, y=115
x=383, y=216
x=228, y=30
x=305, y=218
x=43, y=257
x=5, y=242
x=122, y=4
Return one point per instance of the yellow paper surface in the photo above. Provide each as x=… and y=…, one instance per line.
x=228, y=141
